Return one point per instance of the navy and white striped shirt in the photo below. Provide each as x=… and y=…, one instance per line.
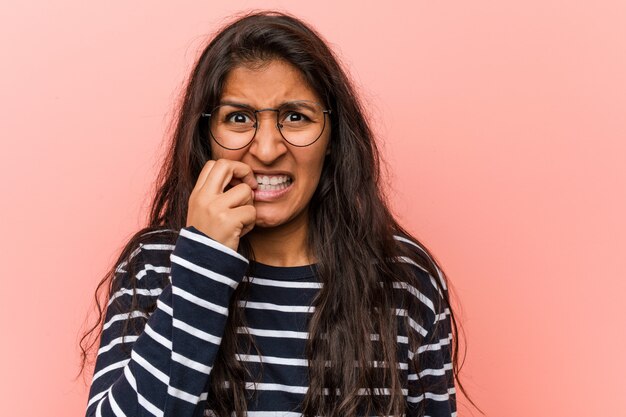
x=166, y=365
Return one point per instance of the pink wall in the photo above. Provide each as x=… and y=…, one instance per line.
x=504, y=126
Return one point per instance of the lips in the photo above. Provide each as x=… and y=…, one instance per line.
x=281, y=188
x=271, y=195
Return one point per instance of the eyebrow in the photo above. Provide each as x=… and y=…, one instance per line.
x=233, y=103
x=236, y=103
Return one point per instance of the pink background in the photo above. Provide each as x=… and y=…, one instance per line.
x=504, y=127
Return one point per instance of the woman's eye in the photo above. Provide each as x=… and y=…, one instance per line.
x=293, y=117
x=238, y=118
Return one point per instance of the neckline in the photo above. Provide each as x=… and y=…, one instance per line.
x=261, y=270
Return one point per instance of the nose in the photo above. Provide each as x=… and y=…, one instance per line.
x=268, y=143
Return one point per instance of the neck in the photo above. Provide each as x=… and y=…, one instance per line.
x=284, y=245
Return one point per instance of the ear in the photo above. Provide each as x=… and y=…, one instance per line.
x=328, y=150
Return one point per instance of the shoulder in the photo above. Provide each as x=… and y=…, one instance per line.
x=413, y=253
x=157, y=245
x=426, y=285
x=145, y=262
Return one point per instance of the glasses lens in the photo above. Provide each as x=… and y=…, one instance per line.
x=301, y=122
x=232, y=126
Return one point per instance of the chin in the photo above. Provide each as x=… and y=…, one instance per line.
x=263, y=223
x=275, y=216
x=263, y=220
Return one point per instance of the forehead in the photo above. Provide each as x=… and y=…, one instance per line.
x=272, y=83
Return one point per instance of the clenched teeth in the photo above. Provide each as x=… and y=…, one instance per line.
x=273, y=179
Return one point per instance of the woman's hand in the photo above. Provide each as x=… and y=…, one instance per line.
x=223, y=216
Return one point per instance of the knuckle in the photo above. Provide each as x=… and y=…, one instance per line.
x=213, y=209
x=220, y=217
x=198, y=199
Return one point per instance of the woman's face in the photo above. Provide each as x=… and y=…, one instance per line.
x=268, y=87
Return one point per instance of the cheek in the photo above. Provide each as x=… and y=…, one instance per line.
x=310, y=176
x=319, y=164
x=313, y=160
x=218, y=152
x=215, y=151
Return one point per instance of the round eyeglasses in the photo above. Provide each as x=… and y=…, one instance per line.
x=233, y=125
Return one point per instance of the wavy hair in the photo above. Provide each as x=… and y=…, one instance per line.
x=351, y=231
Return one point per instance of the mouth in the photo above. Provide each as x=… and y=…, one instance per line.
x=272, y=187
x=273, y=182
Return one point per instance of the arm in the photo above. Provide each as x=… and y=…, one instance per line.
x=438, y=398
x=167, y=364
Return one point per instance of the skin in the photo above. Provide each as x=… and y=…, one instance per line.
x=278, y=237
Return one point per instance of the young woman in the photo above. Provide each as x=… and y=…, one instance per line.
x=272, y=279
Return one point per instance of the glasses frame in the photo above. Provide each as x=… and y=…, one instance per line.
x=256, y=121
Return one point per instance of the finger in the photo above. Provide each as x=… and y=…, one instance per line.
x=204, y=173
x=224, y=171
x=247, y=215
x=242, y=175
x=239, y=195
x=232, y=183
x=247, y=229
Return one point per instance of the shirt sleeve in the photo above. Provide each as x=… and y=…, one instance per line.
x=166, y=364
x=431, y=387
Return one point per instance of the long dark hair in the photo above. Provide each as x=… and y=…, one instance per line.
x=351, y=230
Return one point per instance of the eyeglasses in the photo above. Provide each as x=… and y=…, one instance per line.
x=233, y=125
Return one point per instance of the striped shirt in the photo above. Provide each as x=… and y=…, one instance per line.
x=162, y=366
